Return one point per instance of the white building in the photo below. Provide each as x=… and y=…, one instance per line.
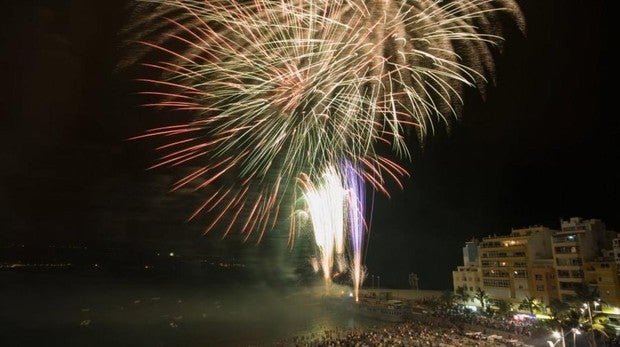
x=468, y=275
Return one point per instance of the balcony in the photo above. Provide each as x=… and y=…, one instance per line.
x=566, y=239
x=566, y=250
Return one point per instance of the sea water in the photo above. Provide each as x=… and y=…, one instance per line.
x=67, y=309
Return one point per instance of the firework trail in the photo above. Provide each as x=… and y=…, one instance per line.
x=335, y=206
x=281, y=88
x=356, y=199
x=326, y=203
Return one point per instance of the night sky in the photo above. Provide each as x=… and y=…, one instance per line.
x=541, y=146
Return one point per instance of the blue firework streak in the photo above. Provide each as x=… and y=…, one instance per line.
x=356, y=199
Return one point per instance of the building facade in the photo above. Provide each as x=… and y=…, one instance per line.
x=616, y=248
x=468, y=276
x=543, y=284
x=543, y=264
x=506, y=263
x=578, y=242
x=603, y=275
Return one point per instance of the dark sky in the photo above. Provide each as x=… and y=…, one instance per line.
x=542, y=146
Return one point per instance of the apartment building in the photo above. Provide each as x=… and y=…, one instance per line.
x=543, y=264
x=603, y=274
x=468, y=275
x=507, y=264
x=578, y=242
x=616, y=248
x=543, y=284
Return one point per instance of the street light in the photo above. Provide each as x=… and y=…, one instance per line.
x=575, y=331
x=559, y=336
x=587, y=306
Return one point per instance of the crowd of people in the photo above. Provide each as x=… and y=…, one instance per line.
x=522, y=327
x=424, y=331
x=403, y=334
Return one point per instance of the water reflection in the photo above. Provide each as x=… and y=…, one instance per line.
x=66, y=309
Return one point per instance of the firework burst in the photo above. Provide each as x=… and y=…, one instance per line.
x=281, y=88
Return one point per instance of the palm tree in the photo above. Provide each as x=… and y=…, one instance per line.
x=585, y=295
x=532, y=305
x=503, y=307
x=563, y=316
x=560, y=310
x=448, y=300
x=461, y=293
x=481, y=296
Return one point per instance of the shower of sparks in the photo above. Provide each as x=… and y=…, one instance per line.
x=278, y=88
x=326, y=205
x=335, y=206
